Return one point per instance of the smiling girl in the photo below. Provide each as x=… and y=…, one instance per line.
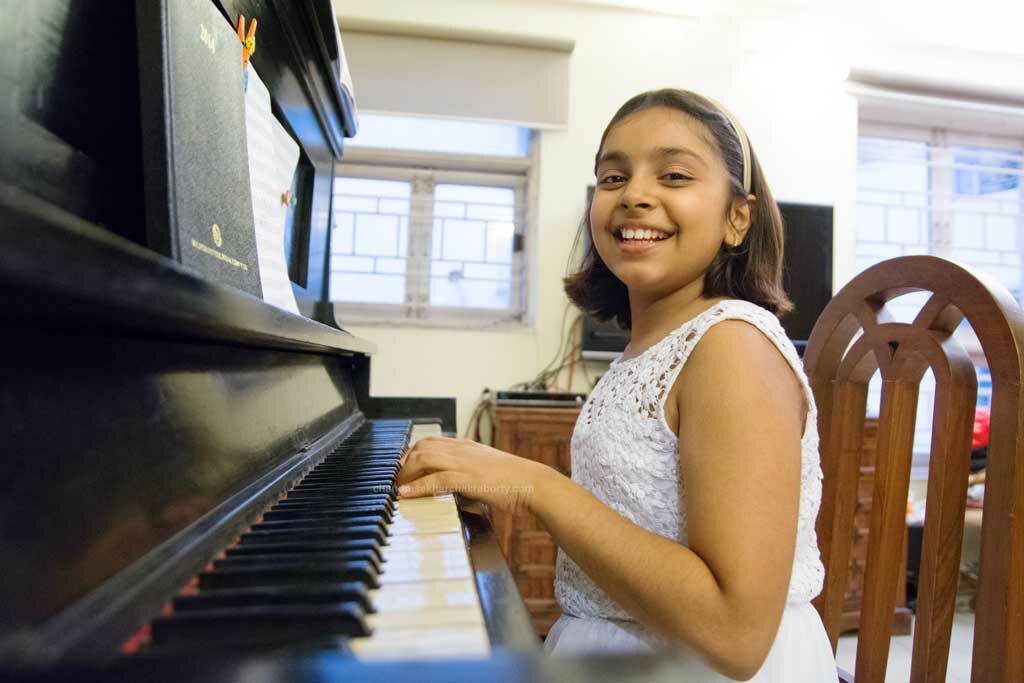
x=689, y=519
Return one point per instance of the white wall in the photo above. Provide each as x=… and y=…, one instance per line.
x=780, y=65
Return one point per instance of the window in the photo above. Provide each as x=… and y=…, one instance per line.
x=933, y=191
x=432, y=228
x=927, y=196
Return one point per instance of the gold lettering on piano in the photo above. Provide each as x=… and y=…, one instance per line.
x=196, y=244
x=218, y=239
x=208, y=39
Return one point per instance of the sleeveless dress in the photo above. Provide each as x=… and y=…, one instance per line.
x=624, y=453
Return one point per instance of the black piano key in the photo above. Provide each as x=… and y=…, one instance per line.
x=343, y=476
x=348, y=478
x=289, y=574
x=342, y=489
x=382, y=484
x=297, y=535
x=341, y=494
x=259, y=625
x=317, y=508
x=296, y=547
x=356, y=468
x=382, y=488
x=338, y=513
x=343, y=480
x=318, y=594
x=337, y=557
x=379, y=439
x=314, y=562
x=309, y=503
x=358, y=465
x=343, y=467
x=374, y=532
x=366, y=455
x=322, y=523
x=336, y=499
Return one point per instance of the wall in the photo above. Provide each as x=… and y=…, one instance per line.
x=781, y=67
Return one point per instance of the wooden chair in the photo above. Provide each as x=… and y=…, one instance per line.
x=839, y=367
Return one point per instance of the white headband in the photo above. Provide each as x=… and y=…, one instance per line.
x=741, y=135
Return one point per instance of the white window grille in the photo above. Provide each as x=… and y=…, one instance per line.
x=432, y=237
x=947, y=193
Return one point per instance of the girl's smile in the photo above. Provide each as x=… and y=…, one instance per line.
x=640, y=237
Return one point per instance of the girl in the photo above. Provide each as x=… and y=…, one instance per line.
x=689, y=518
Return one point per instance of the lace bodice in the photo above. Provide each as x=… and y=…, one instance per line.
x=624, y=453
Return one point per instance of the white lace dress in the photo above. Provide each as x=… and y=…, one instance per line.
x=624, y=453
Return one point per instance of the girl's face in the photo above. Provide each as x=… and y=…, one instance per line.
x=663, y=203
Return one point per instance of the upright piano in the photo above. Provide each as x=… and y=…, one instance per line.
x=197, y=485
x=188, y=471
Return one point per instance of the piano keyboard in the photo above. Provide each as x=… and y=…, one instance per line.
x=340, y=563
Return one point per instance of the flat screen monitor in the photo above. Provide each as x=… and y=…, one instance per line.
x=807, y=278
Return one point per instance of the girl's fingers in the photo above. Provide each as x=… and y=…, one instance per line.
x=430, y=485
x=422, y=461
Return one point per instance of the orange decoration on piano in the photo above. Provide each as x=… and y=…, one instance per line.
x=248, y=40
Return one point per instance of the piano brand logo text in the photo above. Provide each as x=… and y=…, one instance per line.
x=207, y=38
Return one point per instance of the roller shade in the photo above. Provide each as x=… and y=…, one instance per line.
x=440, y=71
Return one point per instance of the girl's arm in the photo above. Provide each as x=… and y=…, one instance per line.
x=740, y=408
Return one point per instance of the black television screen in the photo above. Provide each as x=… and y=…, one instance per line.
x=807, y=267
x=807, y=278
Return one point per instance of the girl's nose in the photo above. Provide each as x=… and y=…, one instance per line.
x=635, y=196
x=628, y=203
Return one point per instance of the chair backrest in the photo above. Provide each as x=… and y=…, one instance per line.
x=839, y=368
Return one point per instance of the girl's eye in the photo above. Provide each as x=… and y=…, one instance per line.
x=612, y=179
x=676, y=177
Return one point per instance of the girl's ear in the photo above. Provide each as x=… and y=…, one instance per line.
x=739, y=220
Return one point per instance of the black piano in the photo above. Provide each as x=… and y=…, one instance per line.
x=198, y=485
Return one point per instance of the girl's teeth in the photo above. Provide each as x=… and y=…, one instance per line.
x=642, y=235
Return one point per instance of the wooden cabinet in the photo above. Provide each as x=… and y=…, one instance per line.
x=544, y=435
x=850, y=620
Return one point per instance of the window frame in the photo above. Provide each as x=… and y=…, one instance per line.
x=424, y=170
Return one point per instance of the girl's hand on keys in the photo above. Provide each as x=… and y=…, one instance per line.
x=438, y=464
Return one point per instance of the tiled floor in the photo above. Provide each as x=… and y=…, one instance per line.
x=960, y=645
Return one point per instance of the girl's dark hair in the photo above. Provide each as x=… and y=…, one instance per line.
x=751, y=271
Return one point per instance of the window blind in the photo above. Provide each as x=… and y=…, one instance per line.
x=413, y=69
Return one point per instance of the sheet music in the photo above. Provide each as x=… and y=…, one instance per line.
x=273, y=156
